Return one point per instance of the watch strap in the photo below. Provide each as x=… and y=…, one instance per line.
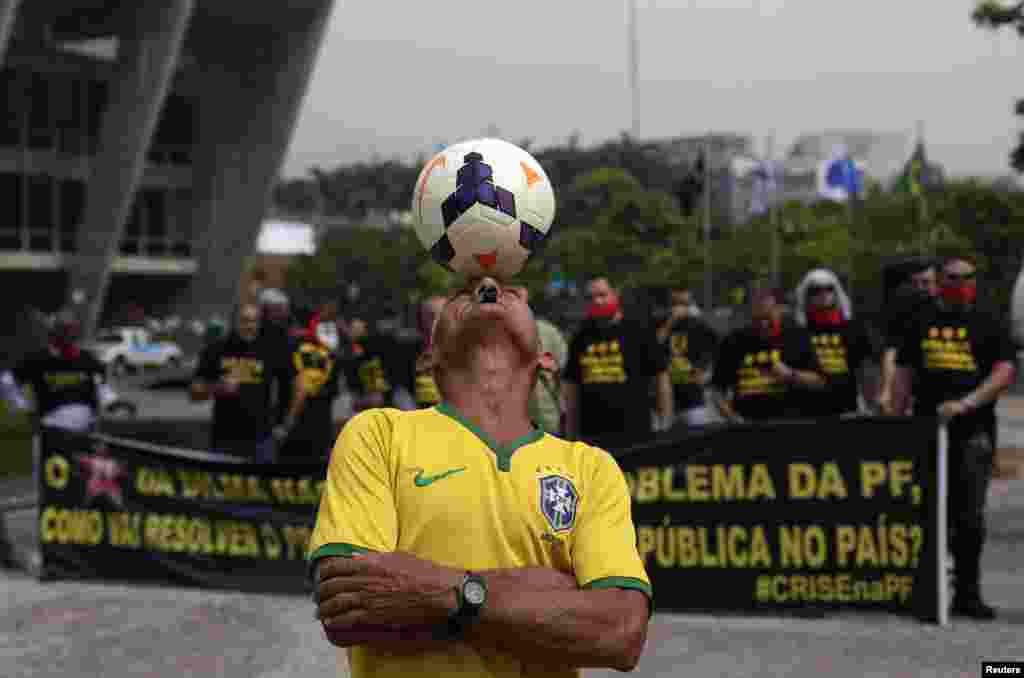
x=466, y=612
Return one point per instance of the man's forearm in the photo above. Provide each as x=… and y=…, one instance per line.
x=200, y=391
x=603, y=628
x=888, y=371
x=665, y=403
x=531, y=579
x=723, y=405
x=1001, y=378
x=417, y=638
x=808, y=379
x=298, y=404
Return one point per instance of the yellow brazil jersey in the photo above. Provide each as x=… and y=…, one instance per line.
x=429, y=483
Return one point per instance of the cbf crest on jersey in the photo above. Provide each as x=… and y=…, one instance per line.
x=558, y=501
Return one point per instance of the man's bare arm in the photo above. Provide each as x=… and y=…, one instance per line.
x=723, y=404
x=887, y=380
x=200, y=391
x=995, y=385
x=604, y=628
x=665, y=396
x=299, y=397
x=416, y=639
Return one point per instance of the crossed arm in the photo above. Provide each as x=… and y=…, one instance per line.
x=397, y=601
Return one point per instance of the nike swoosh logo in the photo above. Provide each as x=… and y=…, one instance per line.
x=422, y=480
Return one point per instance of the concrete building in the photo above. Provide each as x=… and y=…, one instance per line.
x=138, y=145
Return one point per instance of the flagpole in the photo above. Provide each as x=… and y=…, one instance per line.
x=633, y=54
x=708, y=259
x=772, y=224
x=922, y=201
x=851, y=217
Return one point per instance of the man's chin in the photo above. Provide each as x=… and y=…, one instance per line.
x=487, y=324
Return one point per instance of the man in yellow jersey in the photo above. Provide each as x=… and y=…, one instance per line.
x=461, y=539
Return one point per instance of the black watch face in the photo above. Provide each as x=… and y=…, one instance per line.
x=474, y=593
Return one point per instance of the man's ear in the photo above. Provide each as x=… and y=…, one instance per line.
x=547, y=361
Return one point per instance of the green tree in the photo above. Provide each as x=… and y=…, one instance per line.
x=624, y=230
x=390, y=267
x=994, y=15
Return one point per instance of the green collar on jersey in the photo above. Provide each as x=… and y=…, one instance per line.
x=502, y=452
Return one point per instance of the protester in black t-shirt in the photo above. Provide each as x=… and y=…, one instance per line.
x=275, y=326
x=68, y=382
x=911, y=286
x=691, y=345
x=964, y=361
x=308, y=431
x=424, y=389
x=842, y=345
x=239, y=372
x=607, y=377
x=764, y=371
x=69, y=388
x=378, y=367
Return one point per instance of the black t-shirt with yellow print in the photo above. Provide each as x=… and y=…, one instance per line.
x=58, y=380
x=744, y=366
x=841, y=352
x=953, y=352
x=380, y=364
x=424, y=391
x=255, y=366
x=691, y=345
x=613, y=368
x=316, y=366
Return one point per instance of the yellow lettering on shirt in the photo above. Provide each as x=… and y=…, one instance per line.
x=313, y=364
x=680, y=367
x=831, y=352
x=242, y=369
x=948, y=348
x=64, y=379
x=755, y=377
x=371, y=375
x=603, y=363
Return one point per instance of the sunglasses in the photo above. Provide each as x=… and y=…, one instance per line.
x=814, y=290
x=961, y=277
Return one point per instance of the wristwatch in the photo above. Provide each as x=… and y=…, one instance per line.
x=472, y=596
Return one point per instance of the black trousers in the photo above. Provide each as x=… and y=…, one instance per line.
x=970, y=462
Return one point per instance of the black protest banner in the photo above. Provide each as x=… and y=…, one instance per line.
x=116, y=510
x=833, y=514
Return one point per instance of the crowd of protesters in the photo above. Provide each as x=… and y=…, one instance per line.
x=624, y=374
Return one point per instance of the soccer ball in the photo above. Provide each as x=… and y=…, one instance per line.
x=483, y=207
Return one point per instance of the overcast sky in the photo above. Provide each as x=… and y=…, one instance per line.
x=397, y=77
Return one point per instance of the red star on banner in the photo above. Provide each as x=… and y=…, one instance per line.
x=105, y=475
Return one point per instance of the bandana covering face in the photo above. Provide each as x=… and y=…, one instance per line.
x=960, y=294
x=826, y=317
x=67, y=350
x=603, y=311
x=771, y=329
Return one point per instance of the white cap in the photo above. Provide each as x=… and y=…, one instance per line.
x=273, y=297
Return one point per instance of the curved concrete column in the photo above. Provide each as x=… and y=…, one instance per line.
x=8, y=15
x=147, y=55
x=242, y=140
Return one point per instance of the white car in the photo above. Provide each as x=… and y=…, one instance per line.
x=126, y=348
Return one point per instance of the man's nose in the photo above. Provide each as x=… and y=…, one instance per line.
x=487, y=291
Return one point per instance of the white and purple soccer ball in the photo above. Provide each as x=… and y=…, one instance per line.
x=483, y=207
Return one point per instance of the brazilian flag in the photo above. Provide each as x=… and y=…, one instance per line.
x=915, y=173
